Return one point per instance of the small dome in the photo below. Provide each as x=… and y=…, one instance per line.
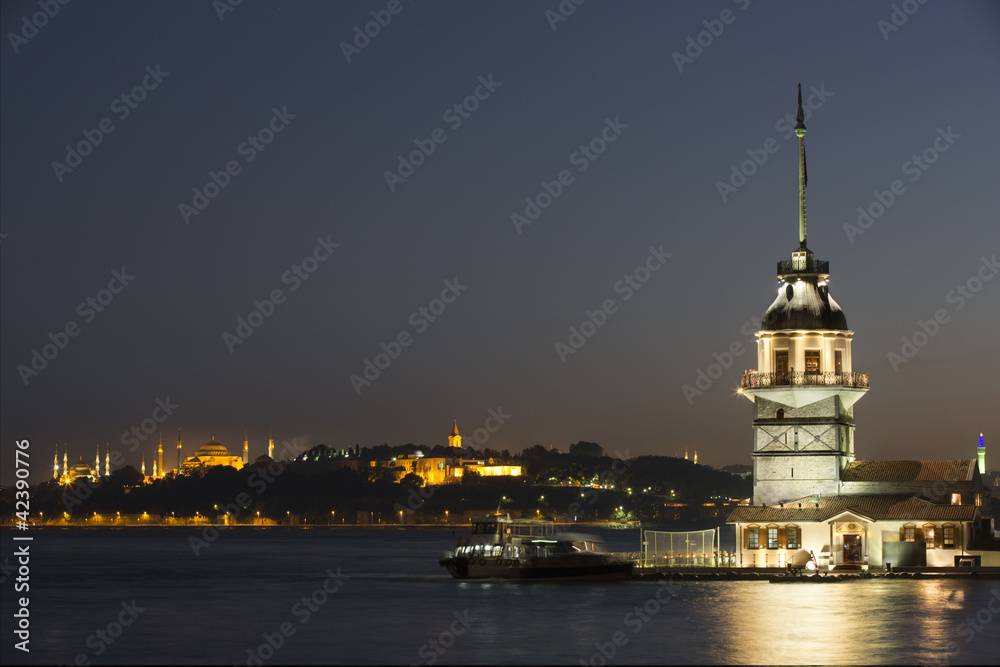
x=213, y=449
x=803, y=304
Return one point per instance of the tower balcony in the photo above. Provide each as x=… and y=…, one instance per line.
x=756, y=380
x=805, y=263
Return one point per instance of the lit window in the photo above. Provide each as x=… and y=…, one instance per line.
x=812, y=361
x=793, y=537
x=772, y=538
x=949, y=537
x=838, y=361
x=909, y=533
x=929, y=536
x=956, y=499
x=753, y=537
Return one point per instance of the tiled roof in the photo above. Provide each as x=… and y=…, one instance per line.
x=874, y=507
x=908, y=471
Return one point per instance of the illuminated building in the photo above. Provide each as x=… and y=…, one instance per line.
x=210, y=454
x=455, y=440
x=809, y=492
x=981, y=453
x=246, y=449
x=71, y=474
x=270, y=446
x=449, y=469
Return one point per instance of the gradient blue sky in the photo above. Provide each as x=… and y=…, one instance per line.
x=494, y=347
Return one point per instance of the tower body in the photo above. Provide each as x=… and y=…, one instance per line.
x=246, y=449
x=270, y=446
x=804, y=387
x=178, y=451
x=160, y=454
x=455, y=440
x=55, y=464
x=981, y=454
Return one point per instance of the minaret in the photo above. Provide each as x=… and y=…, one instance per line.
x=107, y=459
x=178, y=451
x=55, y=464
x=155, y=471
x=803, y=389
x=246, y=448
x=142, y=469
x=696, y=457
x=65, y=459
x=455, y=440
x=160, y=453
x=97, y=462
x=981, y=452
x=270, y=446
x=685, y=453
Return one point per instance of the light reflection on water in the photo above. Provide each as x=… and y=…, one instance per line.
x=214, y=607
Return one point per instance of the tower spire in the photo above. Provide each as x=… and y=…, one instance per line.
x=246, y=448
x=55, y=464
x=800, y=132
x=178, y=451
x=160, y=453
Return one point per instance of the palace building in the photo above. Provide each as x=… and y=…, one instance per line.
x=810, y=491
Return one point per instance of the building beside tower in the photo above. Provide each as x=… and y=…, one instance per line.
x=810, y=492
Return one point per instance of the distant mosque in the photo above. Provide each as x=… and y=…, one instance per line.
x=71, y=474
x=810, y=494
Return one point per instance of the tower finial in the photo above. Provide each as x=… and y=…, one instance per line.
x=800, y=132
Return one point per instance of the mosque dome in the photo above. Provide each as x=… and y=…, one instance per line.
x=213, y=448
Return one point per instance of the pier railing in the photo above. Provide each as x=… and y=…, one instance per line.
x=753, y=379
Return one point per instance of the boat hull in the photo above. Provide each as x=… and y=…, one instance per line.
x=538, y=569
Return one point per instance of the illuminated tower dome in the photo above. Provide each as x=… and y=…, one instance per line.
x=803, y=389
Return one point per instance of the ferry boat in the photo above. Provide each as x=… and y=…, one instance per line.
x=502, y=548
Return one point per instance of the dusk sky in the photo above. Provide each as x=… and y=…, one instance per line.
x=618, y=99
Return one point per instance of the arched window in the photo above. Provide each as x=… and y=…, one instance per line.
x=780, y=414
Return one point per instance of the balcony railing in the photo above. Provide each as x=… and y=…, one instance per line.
x=808, y=265
x=753, y=379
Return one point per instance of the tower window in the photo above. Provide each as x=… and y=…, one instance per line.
x=780, y=414
x=838, y=361
x=812, y=361
x=781, y=361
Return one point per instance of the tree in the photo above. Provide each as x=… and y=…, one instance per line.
x=587, y=449
x=412, y=479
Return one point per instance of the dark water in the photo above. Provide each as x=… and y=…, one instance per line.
x=394, y=600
